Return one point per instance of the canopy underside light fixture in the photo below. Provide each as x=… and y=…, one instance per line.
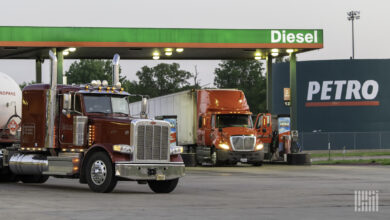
x=168, y=51
x=290, y=50
x=156, y=55
x=67, y=51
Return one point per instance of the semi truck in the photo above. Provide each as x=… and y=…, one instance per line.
x=274, y=132
x=85, y=132
x=213, y=125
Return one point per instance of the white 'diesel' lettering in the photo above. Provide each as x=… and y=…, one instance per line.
x=286, y=37
x=290, y=38
x=276, y=36
x=300, y=38
x=309, y=38
x=339, y=88
x=314, y=88
x=326, y=89
x=353, y=88
x=374, y=91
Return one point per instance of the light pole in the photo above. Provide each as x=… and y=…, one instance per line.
x=352, y=15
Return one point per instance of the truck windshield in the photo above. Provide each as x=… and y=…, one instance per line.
x=106, y=104
x=235, y=120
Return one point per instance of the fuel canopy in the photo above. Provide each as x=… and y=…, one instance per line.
x=18, y=42
x=142, y=43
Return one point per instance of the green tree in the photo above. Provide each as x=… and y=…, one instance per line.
x=282, y=60
x=86, y=70
x=24, y=84
x=247, y=76
x=162, y=79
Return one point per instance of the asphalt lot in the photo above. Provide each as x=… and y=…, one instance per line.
x=267, y=192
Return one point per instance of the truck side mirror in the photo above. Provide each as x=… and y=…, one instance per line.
x=67, y=102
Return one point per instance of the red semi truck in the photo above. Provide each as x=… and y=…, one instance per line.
x=85, y=132
x=213, y=125
x=274, y=132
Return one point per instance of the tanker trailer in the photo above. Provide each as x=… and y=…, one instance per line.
x=10, y=117
x=10, y=110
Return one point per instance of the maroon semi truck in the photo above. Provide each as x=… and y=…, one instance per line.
x=85, y=132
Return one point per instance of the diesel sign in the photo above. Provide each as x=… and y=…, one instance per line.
x=342, y=93
x=293, y=37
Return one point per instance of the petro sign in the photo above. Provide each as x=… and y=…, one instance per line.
x=342, y=93
x=337, y=96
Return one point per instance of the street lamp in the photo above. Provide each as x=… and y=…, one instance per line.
x=352, y=15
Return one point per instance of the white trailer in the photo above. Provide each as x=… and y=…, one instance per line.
x=182, y=105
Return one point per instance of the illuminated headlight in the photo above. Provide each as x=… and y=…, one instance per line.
x=123, y=148
x=176, y=150
x=260, y=146
x=224, y=146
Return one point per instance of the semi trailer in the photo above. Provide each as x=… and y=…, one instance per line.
x=85, y=132
x=213, y=125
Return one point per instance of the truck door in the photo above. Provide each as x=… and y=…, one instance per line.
x=66, y=121
x=208, y=131
x=200, y=130
x=264, y=127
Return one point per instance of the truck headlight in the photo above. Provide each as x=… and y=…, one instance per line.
x=260, y=146
x=224, y=146
x=123, y=148
x=176, y=150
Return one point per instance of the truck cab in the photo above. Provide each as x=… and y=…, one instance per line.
x=263, y=128
x=94, y=139
x=225, y=131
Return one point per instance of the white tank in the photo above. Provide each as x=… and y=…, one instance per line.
x=10, y=96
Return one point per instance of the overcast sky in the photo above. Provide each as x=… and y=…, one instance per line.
x=372, y=32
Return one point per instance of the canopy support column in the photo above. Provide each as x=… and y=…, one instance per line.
x=38, y=70
x=60, y=60
x=269, y=83
x=293, y=94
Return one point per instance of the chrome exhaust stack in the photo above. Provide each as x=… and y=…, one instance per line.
x=51, y=99
x=115, y=70
x=144, y=107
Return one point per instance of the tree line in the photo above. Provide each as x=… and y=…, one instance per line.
x=163, y=79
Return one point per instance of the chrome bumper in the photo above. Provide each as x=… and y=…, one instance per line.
x=136, y=171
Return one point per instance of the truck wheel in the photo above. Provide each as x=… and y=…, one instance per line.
x=33, y=178
x=189, y=159
x=214, y=158
x=100, y=173
x=8, y=177
x=165, y=186
x=298, y=159
x=258, y=164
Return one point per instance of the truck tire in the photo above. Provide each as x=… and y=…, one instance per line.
x=214, y=158
x=100, y=173
x=189, y=159
x=8, y=177
x=258, y=164
x=298, y=159
x=165, y=186
x=33, y=178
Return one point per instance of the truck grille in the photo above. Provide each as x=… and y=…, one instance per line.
x=152, y=142
x=243, y=143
